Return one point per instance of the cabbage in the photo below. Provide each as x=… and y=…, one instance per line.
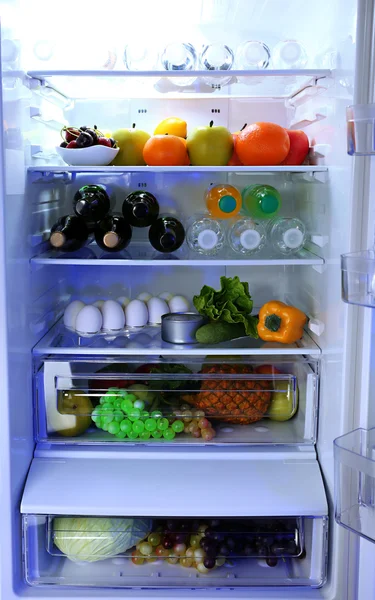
x=90, y=539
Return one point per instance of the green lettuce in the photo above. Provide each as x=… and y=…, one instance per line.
x=232, y=304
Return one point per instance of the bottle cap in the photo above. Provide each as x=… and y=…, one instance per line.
x=110, y=239
x=227, y=204
x=293, y=238
x=207, y=239
x=269, y=204
x=57, y=239
x=250, y=239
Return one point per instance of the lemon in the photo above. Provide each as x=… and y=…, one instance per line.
x=172, y=126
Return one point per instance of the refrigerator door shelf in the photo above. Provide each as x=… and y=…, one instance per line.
x=101, y=552
x=358, y=278
x=271, y=483
x=72, y=397
x=360, y=120
x=355, y=482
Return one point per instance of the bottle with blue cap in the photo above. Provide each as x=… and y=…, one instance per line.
x=261, y=201
x=223, y=201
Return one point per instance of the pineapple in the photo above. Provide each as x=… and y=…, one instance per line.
x=246, y=401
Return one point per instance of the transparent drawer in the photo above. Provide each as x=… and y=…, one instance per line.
x=185, y=402
x=355, y=482
x=171, y=552
x=358, y=278
x=360, y=120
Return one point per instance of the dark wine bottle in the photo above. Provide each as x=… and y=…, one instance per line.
x=166, y=234
x=113, y=233
x=69, y=233
x=140, y=209
x=91, y=202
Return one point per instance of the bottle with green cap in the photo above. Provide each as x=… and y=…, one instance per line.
x=223, y=201
x=261, y=201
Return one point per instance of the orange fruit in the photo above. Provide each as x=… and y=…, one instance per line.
x=262, y=144
x=165, y=150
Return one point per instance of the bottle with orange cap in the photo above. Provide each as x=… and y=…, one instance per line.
x=223, y=201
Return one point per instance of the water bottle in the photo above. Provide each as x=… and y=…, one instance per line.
x=166, y=234
x=289, y=54
x=247, y=236
x=261, y=201
x=223, y=201
x=205, y=236
x=286, y=235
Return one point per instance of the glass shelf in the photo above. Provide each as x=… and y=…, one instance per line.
x=270, y=83
x=148, y=342
x=143, y=255
x=355, y=482
x=112, y=170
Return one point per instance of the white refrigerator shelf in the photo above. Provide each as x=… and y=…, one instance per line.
x=148, y=342
x=115, y=170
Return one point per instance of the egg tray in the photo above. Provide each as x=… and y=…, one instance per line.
x=112, y=334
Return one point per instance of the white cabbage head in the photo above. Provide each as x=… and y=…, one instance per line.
x=96, y=538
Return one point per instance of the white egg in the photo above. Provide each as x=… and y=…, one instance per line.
x=178, y=304
x=156, y=308
x=144, y=296
x=98, y=304
x=89, y=320
x=123, y=300
x=136, y=313
x=71, y=312
x=113, y=316
x=165, y=296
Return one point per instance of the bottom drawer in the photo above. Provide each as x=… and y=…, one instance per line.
x=181, y=553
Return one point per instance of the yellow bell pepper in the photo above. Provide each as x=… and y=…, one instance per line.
x=279, y=322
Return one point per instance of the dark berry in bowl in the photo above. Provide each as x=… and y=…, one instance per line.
x=84, y=140
x=63, y=144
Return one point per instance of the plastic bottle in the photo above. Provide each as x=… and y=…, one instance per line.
x=223, y=201
x=205, y=236
x=113, y=233
x=140, y=209
x=91, y=202
x=247, y=236
x=166, y=234
x=69, y=233
x=261, y=201
x=286, y=235
x=289, y=54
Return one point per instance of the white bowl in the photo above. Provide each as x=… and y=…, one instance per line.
x=96, y=156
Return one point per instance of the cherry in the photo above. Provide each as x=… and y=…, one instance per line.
x=63, y=144
x=72, y=144
x=71, y=133
x=103, y=141
x=84, y=140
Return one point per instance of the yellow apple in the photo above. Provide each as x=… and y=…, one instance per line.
x=210, y=146
x=281, y=407
x=131, y=142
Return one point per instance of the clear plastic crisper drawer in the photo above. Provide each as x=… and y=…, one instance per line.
x=358, y=278
x=171, y=552
x=170, y=402
x=355, y=482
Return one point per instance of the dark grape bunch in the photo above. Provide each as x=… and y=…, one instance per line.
x=206, y=545
x=84, y=137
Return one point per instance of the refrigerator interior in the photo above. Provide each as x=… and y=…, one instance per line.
x=37, y=286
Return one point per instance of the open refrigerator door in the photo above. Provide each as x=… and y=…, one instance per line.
x=227, y=495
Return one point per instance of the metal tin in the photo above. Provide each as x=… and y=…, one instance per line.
x=180, y=328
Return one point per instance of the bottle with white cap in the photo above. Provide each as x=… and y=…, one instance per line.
x=206, y=236
x=247, y=236
x=286, y=235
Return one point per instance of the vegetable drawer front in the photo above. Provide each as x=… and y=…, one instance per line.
x=168, y=403
x=117, y=552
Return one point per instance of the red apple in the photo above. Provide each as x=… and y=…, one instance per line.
x=299, y=147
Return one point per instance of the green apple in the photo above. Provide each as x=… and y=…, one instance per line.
x=131, y=142
x=281, y=407
x=210, y=146
x=73, y=414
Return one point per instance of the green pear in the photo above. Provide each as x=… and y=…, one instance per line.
x=131, y=142
x=281, y=407
x=73, y=415
x=210, y=146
